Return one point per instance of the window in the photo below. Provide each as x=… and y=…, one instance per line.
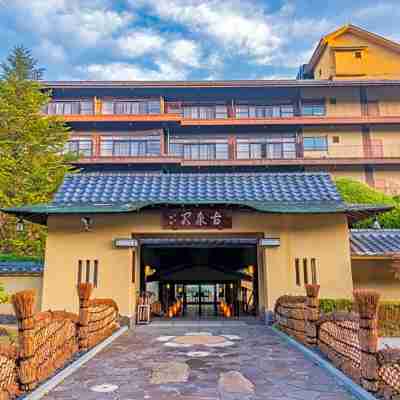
x=79, y=147
x=127, y=147
x=314, y=271
x=333, y=100
x=89, y=275
x=82, y=107
x=282, y=146
x=297, y=268
x=319, y=143
x=313, y=109
x=358, y=54
x=130, y=107
x=205, y=112
x=335, y=139
x=272, y=111
x=200, y=150
x=305, y=271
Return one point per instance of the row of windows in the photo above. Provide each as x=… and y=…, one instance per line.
x=143, y=107
x=305, y=271
x=200, y=151
x=262, y=148
x=88, y=271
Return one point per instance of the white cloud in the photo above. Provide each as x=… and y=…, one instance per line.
x=79, y=22
x=48, y=50
x=235, y=25
x=185, y=52
x=139, y=43
x=124, y=71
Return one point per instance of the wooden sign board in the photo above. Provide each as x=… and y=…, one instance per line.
x=196, y=218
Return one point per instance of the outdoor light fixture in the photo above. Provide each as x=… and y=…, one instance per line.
x=167, y=286
x=86, y=223
x=376, y=224
x=20, y=226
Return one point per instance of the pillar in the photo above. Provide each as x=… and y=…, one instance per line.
x=312, y=314
x=24, y=306
x=84, y=291
x=367, y=303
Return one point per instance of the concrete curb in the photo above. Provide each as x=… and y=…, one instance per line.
x=356, y=390
x=46, y=387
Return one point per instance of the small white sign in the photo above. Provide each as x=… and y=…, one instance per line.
x=122, y=243
x=270, y=242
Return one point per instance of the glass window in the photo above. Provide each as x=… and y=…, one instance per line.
x=129, y=148
x=313, y=109
x=79, y=147
x=287, y=111
x=70, y=107
x=315, y=143
x=243, y=151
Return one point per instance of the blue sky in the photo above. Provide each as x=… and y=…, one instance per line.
x=182, y=39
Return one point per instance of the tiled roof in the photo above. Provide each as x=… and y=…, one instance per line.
x=21, y=267
x=123, y=188
x=374, y=241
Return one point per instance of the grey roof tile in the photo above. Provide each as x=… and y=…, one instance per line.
x=374, y=241
x=125, y=187
x=21, y=267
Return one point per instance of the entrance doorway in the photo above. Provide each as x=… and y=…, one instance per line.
x=200, y=278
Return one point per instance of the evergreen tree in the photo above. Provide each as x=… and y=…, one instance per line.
x=31, y=144
x=22, y=65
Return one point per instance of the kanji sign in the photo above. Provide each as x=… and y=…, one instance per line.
x=196, y=218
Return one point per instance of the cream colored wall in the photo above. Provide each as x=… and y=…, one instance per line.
x=376, y=275
x=14, y=284
x=388, y=97
x=350, y=142
x=355, y=172
x=387, y=180
x=347, y=100
x=379, y=62
x=325, y=68
x=322, y=237
x=386, y=140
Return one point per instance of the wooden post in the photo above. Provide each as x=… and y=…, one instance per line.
x=367, y=303
x=312, y=314
x=84, y=291
x=24, y=306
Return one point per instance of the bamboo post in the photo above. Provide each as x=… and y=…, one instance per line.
x=367, y=303
x=312, y=314
x=24, y=306
x=84, y=291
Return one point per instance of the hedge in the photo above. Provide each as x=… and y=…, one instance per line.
x=388, y=314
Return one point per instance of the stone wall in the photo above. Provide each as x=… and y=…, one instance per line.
x=348, y=339
x=48, y=340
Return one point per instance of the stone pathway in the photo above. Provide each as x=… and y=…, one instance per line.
x=181, y=363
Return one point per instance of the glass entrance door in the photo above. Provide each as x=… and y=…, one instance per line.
x=200, y=301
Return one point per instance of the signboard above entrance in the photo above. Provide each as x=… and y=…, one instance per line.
x=196, y=218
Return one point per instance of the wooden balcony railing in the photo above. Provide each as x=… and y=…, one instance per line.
x=337, y=154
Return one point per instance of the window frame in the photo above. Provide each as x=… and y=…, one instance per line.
x=315, y=146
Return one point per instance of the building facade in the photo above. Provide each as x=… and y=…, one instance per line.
x=222, y=191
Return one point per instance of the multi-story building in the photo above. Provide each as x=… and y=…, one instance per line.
x=210, y=191
x=341, y=116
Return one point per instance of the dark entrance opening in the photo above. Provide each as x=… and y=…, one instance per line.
x=209, y=278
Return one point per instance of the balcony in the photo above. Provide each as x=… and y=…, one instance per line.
x=158, y=111
x=228, y=153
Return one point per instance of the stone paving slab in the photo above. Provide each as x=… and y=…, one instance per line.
x=256, y=364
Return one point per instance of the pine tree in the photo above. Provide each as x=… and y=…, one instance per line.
x=22, y=65
x=32, y=163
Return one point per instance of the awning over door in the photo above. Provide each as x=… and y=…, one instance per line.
x=199, y=242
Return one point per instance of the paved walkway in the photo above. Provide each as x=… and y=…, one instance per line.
x=180, y=363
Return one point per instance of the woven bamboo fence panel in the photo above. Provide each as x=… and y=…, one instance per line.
x=47, y=340
x=98, y=318
x=389, y=372
x=8, y=372
x=338, y=340
x=290, y=315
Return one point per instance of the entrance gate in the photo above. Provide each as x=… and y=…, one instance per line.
x=201, y=274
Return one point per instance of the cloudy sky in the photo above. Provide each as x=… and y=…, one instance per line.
x=181, y=39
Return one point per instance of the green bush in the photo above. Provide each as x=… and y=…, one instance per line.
x=388, y=314
x=356, y=192
x=15, y=257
